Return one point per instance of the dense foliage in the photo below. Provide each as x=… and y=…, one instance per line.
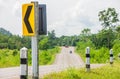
x=7, y=40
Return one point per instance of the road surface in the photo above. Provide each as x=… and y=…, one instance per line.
x=67, y=59
x=63, y=60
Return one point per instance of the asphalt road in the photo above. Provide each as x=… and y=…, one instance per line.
x=67, y=59
x=63, y=60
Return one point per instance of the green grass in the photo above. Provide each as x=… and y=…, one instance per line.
x=105, y=72
x=11, y=58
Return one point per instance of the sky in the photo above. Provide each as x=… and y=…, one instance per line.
x=66, y=17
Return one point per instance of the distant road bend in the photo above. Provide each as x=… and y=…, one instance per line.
x=63, y=60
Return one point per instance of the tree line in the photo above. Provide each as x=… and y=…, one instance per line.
x=106, y=37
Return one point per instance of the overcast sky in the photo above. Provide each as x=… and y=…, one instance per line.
x=66, y=17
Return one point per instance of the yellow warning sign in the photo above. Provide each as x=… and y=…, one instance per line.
x=28, y=19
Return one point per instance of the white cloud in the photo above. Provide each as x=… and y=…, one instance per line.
x=66, y=17
x=83, y=15
x=17, y=9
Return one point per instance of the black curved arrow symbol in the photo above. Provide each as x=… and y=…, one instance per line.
x=29, y=8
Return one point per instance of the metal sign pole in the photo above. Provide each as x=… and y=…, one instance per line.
x=35, y=54
x=35, y=68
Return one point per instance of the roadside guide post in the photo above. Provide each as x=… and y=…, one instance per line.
x=23, y=63
x=87, y=59
x=111, y=56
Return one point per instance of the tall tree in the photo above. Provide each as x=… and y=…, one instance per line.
x=108, y=19
x=85, y=34
x=102, y=38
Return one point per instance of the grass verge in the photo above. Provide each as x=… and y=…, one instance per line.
x=48, y=56
x=105, y=72
x=11, y=58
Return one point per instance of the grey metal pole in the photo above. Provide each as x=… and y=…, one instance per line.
x=35, y=54
x=111, y=56
x=23, y=63
x=87, y=59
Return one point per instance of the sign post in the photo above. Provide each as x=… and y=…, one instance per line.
x=34, y=24
x=34, y=45
x=30, y=23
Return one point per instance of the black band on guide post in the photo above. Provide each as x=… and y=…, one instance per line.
x=111, y=55
x=23, y=61
x=87, y=55
x=111, y=62
x=23, y=77
x=87, y=65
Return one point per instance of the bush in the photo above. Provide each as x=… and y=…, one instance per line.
x=48, y=56
x=96, y=55
x=83, y=45
x=8, y=59
x=100, y=55
x=15, y=52
x=116, y=48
